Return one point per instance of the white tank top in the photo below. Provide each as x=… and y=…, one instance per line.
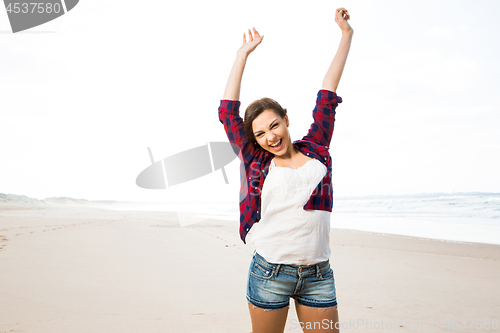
x=286, y=233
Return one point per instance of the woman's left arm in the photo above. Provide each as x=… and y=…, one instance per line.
x=332, y=77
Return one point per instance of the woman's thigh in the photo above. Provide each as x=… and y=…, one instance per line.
x=314, y=319
x=267, y=320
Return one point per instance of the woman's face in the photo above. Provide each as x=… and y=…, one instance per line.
x=270, y=129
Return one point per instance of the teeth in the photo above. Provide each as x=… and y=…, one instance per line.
x=276, y=144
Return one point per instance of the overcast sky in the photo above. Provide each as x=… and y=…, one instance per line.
x=83, y=96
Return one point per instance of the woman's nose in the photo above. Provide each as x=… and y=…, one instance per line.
x=271, y=137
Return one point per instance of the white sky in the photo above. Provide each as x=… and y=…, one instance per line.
x=83, y=96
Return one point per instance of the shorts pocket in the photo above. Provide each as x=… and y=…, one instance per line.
x=261, y=272
x=326, y=273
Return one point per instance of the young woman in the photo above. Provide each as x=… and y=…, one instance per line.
x=287, y=216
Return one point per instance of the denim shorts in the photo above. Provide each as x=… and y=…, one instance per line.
x=270, y=286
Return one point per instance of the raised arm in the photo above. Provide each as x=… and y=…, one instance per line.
x=332, y=77
x=233, y=85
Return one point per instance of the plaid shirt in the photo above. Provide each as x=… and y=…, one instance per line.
x=255, y=162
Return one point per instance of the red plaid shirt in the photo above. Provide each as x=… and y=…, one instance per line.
x=255, y=163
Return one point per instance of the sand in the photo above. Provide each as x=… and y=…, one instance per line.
x=92, y=269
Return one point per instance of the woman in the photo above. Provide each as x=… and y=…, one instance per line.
x=287, y=216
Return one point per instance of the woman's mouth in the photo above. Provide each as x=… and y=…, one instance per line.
x=278, y=145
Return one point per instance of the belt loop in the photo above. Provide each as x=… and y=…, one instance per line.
x=318, y=273
x=278, y=269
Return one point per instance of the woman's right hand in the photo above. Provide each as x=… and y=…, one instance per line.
x=253, y=42
x=233, y=85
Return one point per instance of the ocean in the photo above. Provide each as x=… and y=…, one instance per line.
x=462, y=217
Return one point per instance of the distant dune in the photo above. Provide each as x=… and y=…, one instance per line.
x=15, y=201
x=23, y=200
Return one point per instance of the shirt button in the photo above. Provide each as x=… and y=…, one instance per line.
x=257, y=212
x=255, y=187
x=247, y=229
x=307, y=154
x=250, y=177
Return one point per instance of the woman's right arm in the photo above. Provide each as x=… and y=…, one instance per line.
x=233, y=85
x=229, y=109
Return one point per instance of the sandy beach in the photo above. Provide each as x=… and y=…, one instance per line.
x=83, y=268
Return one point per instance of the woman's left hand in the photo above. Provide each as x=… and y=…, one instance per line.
x=341, y=17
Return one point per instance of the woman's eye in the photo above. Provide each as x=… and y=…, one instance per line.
x=274, y=125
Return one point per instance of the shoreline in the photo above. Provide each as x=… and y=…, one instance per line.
x=416, y=237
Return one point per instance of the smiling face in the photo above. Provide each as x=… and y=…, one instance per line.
x=269, y=129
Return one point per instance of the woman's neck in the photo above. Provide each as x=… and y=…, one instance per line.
x=290, y=154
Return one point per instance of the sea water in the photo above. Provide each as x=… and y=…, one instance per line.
x=464, y=217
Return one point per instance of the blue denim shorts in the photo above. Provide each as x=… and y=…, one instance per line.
x=270, y=286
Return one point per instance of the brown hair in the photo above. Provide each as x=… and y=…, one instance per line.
x=254, y=110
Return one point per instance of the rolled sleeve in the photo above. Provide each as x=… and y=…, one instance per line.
x=228, y=107
x=323, y=114
x=327, y=97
